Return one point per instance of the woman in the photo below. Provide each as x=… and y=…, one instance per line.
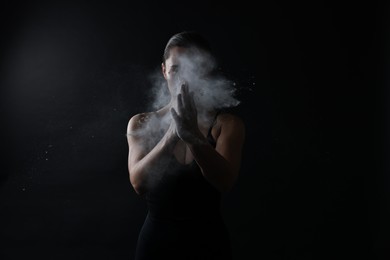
x=181, y=158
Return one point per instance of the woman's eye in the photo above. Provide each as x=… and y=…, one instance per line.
x=174, y=69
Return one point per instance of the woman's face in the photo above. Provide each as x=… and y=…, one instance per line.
x=171, y=68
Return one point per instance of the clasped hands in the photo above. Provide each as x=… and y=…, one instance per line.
x=186, y=117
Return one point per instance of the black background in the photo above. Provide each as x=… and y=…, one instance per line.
x=312, y=78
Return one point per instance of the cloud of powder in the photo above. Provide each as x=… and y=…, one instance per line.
x=212, y=91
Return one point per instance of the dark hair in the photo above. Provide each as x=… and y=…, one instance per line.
x=187, y=39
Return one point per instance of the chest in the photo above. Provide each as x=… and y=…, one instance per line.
x=182, y=153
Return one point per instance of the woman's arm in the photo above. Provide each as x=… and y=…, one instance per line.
x=145, y=165
x=220, y=166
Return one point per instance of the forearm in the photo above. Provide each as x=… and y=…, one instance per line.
x=150, y=168
x=214, y=167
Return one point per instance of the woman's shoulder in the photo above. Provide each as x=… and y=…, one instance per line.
x=138, y=121
x=229, y=124
x=230, y=119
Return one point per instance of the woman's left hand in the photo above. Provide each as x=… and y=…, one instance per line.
x=186, y=116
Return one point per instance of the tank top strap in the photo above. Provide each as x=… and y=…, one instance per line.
x=209, y=135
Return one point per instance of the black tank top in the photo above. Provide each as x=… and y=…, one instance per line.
x=183, y=193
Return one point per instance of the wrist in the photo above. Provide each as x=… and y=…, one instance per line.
x=197, y=140
x=170, y=141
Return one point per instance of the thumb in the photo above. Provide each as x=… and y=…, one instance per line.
x=174, y=114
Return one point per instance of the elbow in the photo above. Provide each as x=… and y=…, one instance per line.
x=139, y=190
x=138, y=186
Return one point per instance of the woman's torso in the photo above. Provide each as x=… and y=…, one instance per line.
x=182, y=193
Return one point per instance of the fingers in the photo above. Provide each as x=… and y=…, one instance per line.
x=192, y=100
x=182, y=99
x=186, y=97
x=175, y=116
x=184, y=88
x=180, y=105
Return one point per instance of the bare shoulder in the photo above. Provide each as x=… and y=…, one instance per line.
x=229, y=126
x=230, y=121
x=138, y=122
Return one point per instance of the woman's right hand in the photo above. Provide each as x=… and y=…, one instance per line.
x=171, y=133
